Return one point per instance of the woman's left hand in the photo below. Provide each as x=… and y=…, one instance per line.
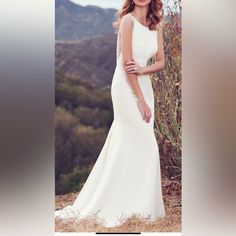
x=133, y=68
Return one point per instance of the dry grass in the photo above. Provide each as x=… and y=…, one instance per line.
x=170, y=223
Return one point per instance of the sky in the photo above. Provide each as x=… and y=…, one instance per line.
x=102, y=3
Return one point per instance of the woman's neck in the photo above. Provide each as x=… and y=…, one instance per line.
x=141, y=13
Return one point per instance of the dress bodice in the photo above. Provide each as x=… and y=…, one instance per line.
x=144, y=42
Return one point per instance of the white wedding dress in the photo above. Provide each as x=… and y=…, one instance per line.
x=125, y=179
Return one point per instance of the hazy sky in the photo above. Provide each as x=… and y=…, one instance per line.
x=108, y=3
x=102, y=3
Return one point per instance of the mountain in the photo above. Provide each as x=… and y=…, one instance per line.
x=74, y=21
x=91, y=59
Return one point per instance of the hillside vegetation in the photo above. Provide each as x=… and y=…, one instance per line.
x=92, y=60
x=83, y=116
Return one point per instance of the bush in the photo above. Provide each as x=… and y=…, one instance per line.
x=168, y=104
x=73, y=181
x=95, y=117
x=65, y=141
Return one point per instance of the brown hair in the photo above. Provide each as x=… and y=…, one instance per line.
x=154, y=15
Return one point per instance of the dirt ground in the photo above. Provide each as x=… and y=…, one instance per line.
x=170, y=223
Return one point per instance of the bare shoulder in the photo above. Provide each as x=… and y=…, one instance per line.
x=126, y=21
x=160, y=27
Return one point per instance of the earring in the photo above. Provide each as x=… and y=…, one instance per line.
x=132, y=3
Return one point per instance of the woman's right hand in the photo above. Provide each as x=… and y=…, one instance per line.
x=144, y=109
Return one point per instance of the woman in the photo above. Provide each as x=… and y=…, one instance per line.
x=126, y=179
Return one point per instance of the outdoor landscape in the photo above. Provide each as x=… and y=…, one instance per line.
x=85, y=54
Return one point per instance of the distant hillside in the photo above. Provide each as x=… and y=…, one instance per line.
x=74, y=21
x=92, y=59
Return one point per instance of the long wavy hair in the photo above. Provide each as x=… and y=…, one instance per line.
x=154, y=15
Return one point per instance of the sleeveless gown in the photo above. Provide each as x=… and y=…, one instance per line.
x=125, y=179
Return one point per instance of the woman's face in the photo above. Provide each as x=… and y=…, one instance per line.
x=142, y=3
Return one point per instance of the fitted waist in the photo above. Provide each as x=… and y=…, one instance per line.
x=120, y=73
x=141, y=61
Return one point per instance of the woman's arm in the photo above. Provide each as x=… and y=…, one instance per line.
x=126, y=50
x=157, y=66
x=126, y=26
